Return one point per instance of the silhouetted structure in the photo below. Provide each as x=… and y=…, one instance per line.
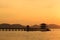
x=27, y=28
x=44, y=27
x=19, y=27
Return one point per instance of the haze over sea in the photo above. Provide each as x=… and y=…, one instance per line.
x=54, y=34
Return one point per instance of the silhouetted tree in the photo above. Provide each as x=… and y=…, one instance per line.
x=16, y=26
x=5, y=25
x=35, y=26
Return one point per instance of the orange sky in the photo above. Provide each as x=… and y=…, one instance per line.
x=30, y=11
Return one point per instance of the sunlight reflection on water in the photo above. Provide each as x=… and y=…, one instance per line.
x=35, y=35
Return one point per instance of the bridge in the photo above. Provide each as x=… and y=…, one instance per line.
x=19, y=29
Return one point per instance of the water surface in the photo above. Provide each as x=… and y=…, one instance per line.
x=35, y=35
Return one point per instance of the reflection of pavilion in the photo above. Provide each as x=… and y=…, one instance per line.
x=44, y=27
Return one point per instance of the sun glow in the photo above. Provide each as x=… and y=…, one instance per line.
x=30, y=11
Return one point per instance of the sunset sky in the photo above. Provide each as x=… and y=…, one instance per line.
x=30, y=11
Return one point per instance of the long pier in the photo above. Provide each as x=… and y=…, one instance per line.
x=19, y=29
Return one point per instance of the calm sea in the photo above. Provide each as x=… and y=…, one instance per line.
x=54, y=34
